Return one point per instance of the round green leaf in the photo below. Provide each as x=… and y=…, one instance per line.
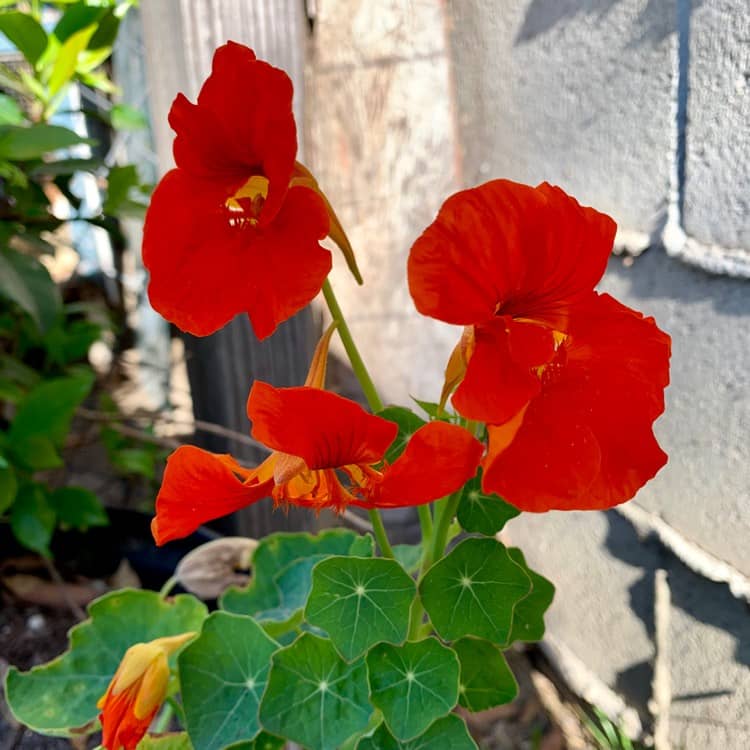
x=56, y=697
x=448, y=733
x=528, y=616
x=19, y=143
x=413, y=684
x=481, y=513
x=474, y=590
x=313, y=696
x=486, y=679
x=263, y=741
x=276, y=553
x=360, y=601
x=223, y=673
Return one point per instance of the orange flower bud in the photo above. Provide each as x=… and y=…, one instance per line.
x=136, y=692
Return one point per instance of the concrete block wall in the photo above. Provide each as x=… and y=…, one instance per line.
x=617, y=101
x=642, y=109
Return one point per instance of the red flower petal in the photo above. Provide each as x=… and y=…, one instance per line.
x=326, y=430
x=499, y=379
x=121, y=730
x=242, y=124
x=199, y=486
x=439, y=459
x=204, y=270
x=511, y=249
x=586, y=441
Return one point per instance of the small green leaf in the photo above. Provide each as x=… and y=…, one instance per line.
x=10, y=111
x=275, y=553
x=408, y=423
x=48, y=409
x=78, y=508
x=64, y=167
x=413, y=685
x=408, y=556
x=170, y=741
x=66, y=61
x=263, y=741
x=32, y=519
x=360, y=601
x=225, y=668
x=313, y=696
x=27, y=282
x=138, y=461
x=24, y=143
x=76, y=18
x=25, y=33
x=124, y=117
x=56, y=697
x=448, y=733
x=482, y=513
x=486, y=679
x=8, y=487
x=36, y=452
x=528, y=616
x=474, y=590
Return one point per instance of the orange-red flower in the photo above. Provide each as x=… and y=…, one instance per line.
x=236, y=226
x=136, y=692
x=328, y=453
x=568, y=381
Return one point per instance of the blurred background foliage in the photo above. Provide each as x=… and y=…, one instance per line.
x=61, y=202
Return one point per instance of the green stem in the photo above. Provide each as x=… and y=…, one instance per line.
x=425, y=521
x=368, y=388
x=165, y=719
x=446, y=509
x=169, y=584
x=380, y=534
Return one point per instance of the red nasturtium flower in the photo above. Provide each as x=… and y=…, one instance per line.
x=136, y=692
x=328, y=452
x=235, y=227
x=568, y=381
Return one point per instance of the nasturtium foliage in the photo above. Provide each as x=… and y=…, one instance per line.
x=277, y=552
x=263, y=741
x=360, y=601
x=169, y=741
x=223, y=674
x=482, y=513
x=408, y=423
x=61, y=695
x=473, y=590
x=486, y=678
x=447, y=733
x=413, y=684
x=408, y=556
x=528, y=616
x=313, y=696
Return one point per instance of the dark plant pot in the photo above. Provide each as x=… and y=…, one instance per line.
x=97, y=553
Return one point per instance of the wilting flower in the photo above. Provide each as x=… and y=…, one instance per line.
x=236, y=226
x=568, y=381
x=328, y=452
x=136, y=692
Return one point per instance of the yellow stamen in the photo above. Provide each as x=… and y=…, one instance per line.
x=256, y=189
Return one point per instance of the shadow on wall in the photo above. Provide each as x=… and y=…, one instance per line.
x=656, y=276
x=651, y=26
x=702, y=600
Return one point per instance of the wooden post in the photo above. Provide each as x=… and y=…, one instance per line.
x=179, y=40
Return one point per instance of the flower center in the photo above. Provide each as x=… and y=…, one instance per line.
x=246, y=204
